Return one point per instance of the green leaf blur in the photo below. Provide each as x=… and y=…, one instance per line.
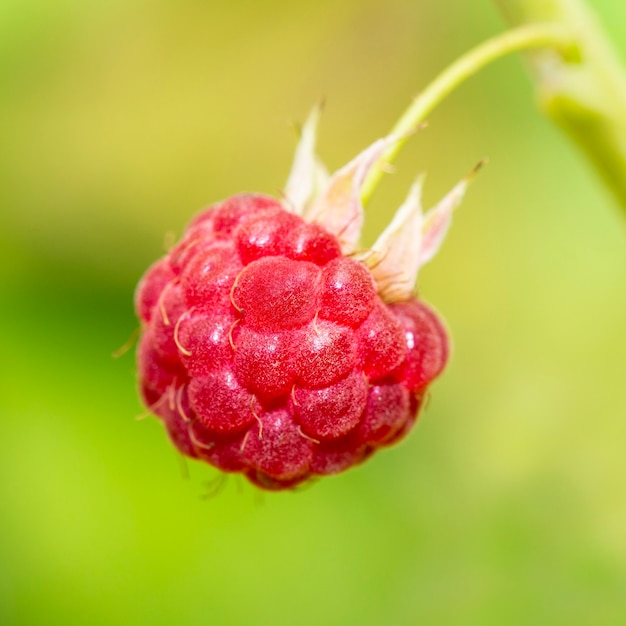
x=507, y=504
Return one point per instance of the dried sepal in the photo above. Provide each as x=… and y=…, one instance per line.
x=438, y=219
x=411, y=240
x=308, y=176
x=395, y=256
x=339, y=209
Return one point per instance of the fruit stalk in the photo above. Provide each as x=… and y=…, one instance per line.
x=557, y=37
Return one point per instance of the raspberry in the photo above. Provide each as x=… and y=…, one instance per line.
x=272, y=349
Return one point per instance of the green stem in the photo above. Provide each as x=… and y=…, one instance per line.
x=587, y=99
x=554, y=36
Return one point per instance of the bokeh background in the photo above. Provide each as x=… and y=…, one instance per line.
x=507, y=505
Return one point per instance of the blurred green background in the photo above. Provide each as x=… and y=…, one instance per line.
x=507, y=505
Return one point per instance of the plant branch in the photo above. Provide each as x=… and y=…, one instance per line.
x=587, y=100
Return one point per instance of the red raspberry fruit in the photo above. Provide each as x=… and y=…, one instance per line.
x=267, y=350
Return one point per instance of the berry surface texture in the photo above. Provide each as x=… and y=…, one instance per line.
x=273, y=347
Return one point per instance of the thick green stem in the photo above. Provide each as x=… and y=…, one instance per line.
x=588, y=99
x=555, y=36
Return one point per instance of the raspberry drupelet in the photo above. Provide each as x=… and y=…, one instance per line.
x=272, y=347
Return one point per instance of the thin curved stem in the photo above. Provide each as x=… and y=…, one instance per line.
x=549, y=35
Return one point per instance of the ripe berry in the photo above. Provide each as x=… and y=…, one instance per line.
x=271, y=348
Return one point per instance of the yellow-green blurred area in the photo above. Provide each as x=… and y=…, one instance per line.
x=506, y=505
